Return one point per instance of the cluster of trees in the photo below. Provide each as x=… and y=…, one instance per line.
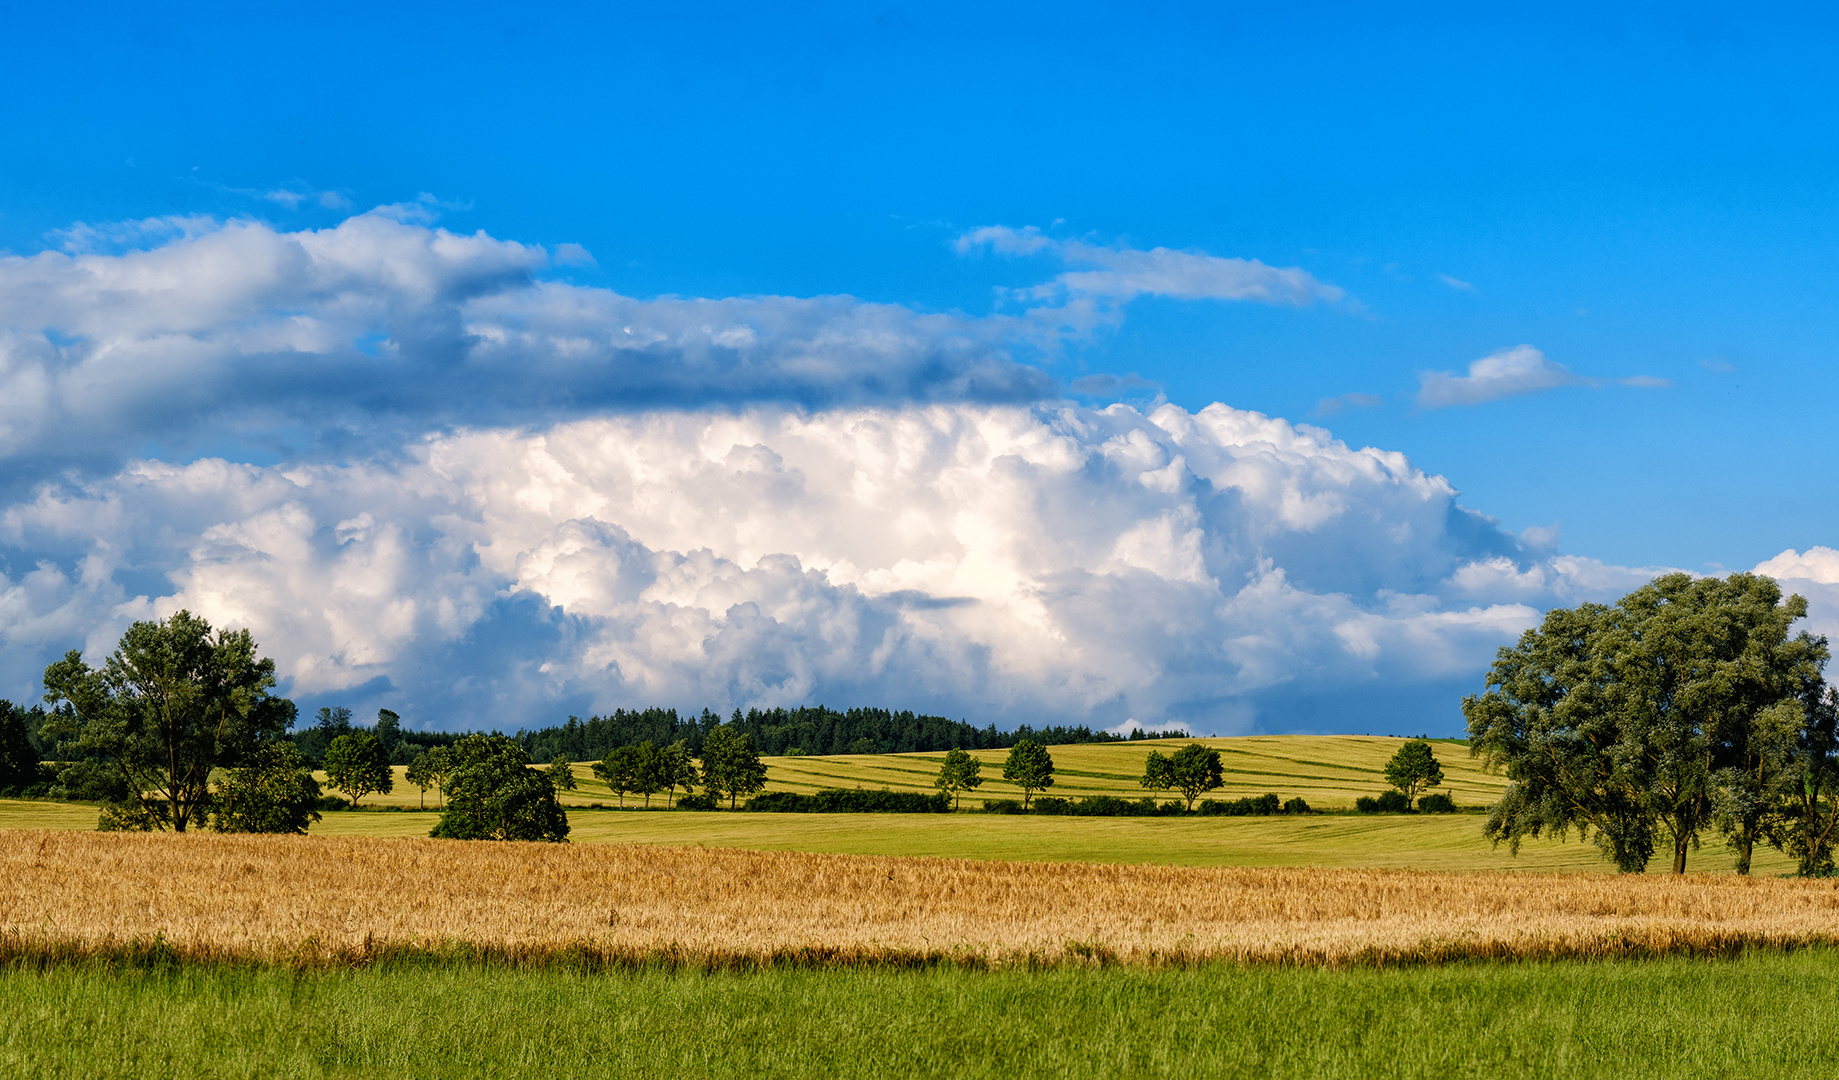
x=805, y=730
x=1684, y=709
x=728, y=766
x=179, y=728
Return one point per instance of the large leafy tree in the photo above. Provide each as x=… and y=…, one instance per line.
x=1191, y=770
x=272, y=791
x=1413, y=769
x=729, y=764
x=1030, y=767
x=19, y=764
x=172, y=702
x=959, y=772
x=494, y=794
x=1621, y=720
x=1802, y=813
x=358, y=765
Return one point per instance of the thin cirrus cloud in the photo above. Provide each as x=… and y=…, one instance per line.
x=1102, y=279
x=1513, y=372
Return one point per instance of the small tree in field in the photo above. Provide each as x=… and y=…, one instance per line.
x=1191, y=770
x=1030, y=767
x=562, y=773
x=421, y=773
x=961, y=772
x=272, y=791
x=1413, y=769
x=730, y=766
x=618, y=770
x=647, y=771
x=494, y=794
x=678, y=767
x=357, y=765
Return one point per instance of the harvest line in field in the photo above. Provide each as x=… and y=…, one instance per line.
x=321, y=899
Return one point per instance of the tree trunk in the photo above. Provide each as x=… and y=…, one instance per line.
x=1679, y=855
x=1743, y=854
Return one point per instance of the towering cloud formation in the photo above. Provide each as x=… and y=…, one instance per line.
x=495, y=499
x=1002, y=563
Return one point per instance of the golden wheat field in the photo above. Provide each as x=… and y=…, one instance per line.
x=314, y=900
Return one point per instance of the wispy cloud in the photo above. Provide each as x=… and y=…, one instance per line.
x=1102, y=279
x=1340, y=403
x=1456, y=283
x=1510, y=373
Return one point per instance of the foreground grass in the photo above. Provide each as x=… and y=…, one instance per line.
x=1762, y=1015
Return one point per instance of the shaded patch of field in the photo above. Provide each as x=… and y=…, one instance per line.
x=1759, y=1016
x=312, y=900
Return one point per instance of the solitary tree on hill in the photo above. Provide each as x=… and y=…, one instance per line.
x=1030, y=767
x=961, y=772
x=562, y=773
x=421, y=773
x=1191, y=770
x=357, y=765
x=1413, y=769
x=619, y=770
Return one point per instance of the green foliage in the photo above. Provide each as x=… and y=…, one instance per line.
x=562, y=773
x=1259, y=806
x=960, y=773
x=493, y=794
x=704, y=801
x=423, y=772
x=1030, y=767
x=357, y=765
x=1647, y=722
x=1298, y=805
x=1387, y=802
x=1800, y=817
x=1191, y=770
x=677, y=766
x=730, y=767
x=1436, y=803
x=1413, y=769
x=272, y=791
x=619, y=770
x=20, y=769
x=174, y=701
x=849, y=801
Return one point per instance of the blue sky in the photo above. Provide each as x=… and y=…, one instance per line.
x=1644, y=193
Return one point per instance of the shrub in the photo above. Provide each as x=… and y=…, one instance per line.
x=704, y=801
x=780, y=802
x=849, y=801
x=1002, y=806
x=1297, y=806
x=495, y=795
x=1437, y=803
x=1261, y=806
x=1389, y=802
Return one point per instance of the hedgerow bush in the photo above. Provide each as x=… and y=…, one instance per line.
x=849, y=801
x=1388, y=802
x=1438, y=803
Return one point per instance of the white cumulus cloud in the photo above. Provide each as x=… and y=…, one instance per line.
x=1001, y=563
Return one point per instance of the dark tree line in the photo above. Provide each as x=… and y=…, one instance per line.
x=813, y=729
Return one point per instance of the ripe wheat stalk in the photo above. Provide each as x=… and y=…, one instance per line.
x=326, y=900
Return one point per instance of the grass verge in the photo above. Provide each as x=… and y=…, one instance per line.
x=1774, y=1015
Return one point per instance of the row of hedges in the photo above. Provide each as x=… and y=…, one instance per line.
x=1112, y=806
x=849, y=801
x=1393, y=802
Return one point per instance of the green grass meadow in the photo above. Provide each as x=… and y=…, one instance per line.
x=1767, y=1015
